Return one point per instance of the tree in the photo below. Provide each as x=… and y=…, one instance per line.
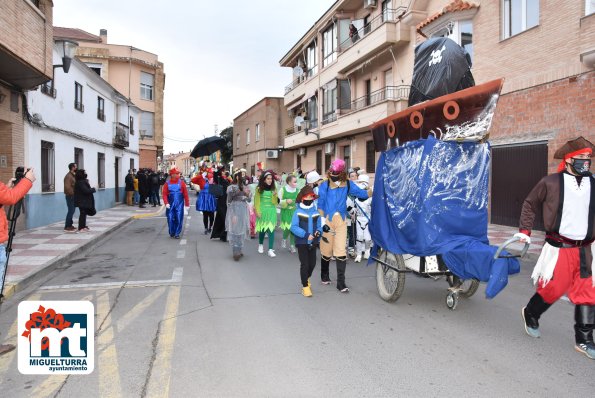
x=227, y=135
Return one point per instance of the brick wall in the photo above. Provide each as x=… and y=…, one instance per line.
x=148, y=159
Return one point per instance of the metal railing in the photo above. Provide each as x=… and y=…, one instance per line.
x=391, y=93
x=121, y=135
x=48, y=90
x=329, y=118
x=390, y=15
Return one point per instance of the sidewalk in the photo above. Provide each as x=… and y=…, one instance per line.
x=36, y=252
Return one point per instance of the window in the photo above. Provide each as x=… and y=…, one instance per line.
x=370, y=157
x=387, y=12
x=78, y=97
x=589, y=7
x=347, y=156
x=312, y=108
x=252, y=170
x=47, y=89
x=311, y=60
x=101, y=169
x=329, y=104
x=14, y=101
x=147, y=122
x=327, y=160
x=79, y=158
x=47, y=166
x=147, y=81
x=344, y=94
x=257, y=133
x=519, y=15
x=95, y=67
x=319, y=161
x=247, y=136
x=131, y=125
x=329, y=45
x=100, y=109
x=466, y=37
x=131, y=164
x=237, y=140
x=298, y=161
x=367, y=26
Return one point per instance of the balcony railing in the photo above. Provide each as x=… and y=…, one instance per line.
x=313, y=124
x=390, y=15
x=121, y=134
x=329, y=118
x=393, y=93
x=48, y=90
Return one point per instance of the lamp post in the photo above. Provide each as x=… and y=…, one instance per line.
x=67, y=50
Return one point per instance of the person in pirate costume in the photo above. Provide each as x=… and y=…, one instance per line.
x=566, y=266
x=332, y=206
x=177, y=203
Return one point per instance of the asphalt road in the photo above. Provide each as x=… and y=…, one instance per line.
x=180, y=318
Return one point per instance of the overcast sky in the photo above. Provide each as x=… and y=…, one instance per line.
x=220, y=57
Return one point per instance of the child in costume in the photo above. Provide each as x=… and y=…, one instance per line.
x=177, y=203
x=307, y=227
x=265, y=207
x=363, y=210
x=287, y=196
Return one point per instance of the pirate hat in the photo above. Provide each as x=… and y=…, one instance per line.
x=577, y=145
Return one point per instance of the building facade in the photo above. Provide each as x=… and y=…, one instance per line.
x=259, y=137
x=544, y=50
x=77, y=118
x=25, y=63
x=182, y=161
x=137, y=74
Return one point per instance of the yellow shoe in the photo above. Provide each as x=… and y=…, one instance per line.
x=309, y=284
x=306, y=291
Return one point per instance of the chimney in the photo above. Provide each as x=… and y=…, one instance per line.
x=103, y=35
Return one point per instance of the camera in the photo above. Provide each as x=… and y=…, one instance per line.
x=19, y=173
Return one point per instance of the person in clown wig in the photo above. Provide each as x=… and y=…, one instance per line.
x=175, y=197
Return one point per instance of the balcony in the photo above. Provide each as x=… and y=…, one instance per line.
x=389, y=93
x=121, y=134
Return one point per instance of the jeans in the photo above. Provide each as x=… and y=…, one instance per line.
x=154, y=196
x=136, y=197
x=70, y=213
x=2, y=264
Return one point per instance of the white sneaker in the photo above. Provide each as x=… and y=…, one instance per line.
x=284, y=243
x=358, y=258
x=271, y=253
x=367, y=254
x=260, y=249
x=292, y=249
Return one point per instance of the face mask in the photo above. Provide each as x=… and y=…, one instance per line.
x=334, y=178
x=307, y=202
x=581, y=166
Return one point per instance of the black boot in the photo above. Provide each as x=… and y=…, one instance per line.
x=531, y=313
x=341, y=265
x=584, y=318
x=324, y=271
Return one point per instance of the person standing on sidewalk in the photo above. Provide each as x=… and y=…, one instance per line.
x=129, y=182
x=306, y=225
x=566, y=264
x=10, y=194
x=265, y=206
x=69, y=181
x=237, y=220
x=83, y=199
x=177, y=203
x=332, y=206
x=287, y=196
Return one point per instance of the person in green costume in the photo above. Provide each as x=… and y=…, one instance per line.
x=265, y=206
x=287, y=196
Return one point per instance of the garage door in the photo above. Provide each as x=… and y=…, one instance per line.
x=515, y=171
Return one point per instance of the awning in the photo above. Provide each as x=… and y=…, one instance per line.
x=302, y=100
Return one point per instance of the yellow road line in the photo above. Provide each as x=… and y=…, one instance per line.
x=138, y=309
x=107, y=360
x=145, y=215
x=161, y=372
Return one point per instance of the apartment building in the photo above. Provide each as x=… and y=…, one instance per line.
x=545, y=51
x=25, y=62
x=137, y=74
x=258, y=137
x=79, y=118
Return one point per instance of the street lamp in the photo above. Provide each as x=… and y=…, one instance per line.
x=67, y=49
x=306, y=126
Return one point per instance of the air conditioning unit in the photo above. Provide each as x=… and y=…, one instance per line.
x=301, y=152
x=329, y=148
x=369, y=3
x=272, y=154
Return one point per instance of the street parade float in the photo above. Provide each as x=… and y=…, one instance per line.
x=429, y=215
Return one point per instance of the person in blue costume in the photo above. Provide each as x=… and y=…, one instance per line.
x=332, y=206
x=175, y=197
x=207, y=203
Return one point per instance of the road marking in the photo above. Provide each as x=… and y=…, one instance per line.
x=138, y=309
x=189, y=217
x=107, y=361
x=183, y=242
x=160, y=377
x=176, y=278
x=181, y=254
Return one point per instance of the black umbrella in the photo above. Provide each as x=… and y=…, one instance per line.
x=208, y=146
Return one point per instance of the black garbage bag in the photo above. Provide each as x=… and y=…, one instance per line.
x=441, y=67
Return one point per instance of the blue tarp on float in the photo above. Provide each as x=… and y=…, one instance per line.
x=431, y=197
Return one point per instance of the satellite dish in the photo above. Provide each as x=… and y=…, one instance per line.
x=297, y=122
x=298, y=71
